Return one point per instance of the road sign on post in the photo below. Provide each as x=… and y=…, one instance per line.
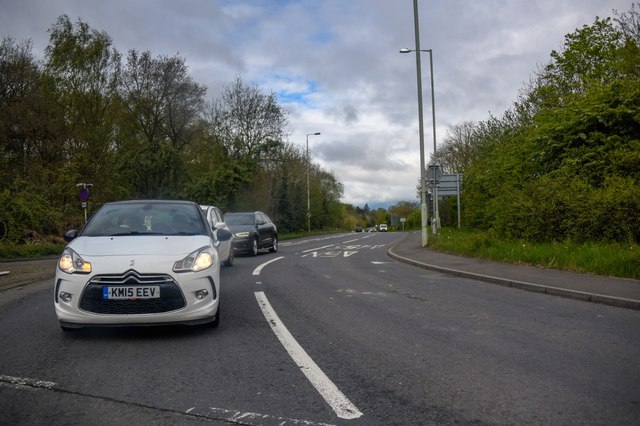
x=449, y=185
x=84, y=197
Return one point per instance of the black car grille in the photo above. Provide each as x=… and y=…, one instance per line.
x=170, y=295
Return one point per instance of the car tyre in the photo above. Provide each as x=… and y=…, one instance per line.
x=274, y=246
x=229, y=261
x=254, y=246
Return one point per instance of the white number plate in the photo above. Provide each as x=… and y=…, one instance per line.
x=124, y=293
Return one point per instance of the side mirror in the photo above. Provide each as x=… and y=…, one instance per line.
x=70, y=235
x=224, y=235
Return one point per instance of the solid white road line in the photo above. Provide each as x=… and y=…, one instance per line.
x=340, y=404
x=26, y=381
x=259, y=267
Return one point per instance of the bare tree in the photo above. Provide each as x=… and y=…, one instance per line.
x=457, y=150
x=249, y=122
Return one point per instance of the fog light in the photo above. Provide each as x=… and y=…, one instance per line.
x=66, y=297
x=201, y=294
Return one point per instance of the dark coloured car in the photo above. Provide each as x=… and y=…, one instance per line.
x=252, y=231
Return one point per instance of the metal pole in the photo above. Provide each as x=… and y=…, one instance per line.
x=436, y=212
x=308, y=186
x=459, y=202
x=423, y=184
x=308, y=191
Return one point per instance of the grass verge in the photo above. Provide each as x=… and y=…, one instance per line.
x=612, y=259
x=33, y=250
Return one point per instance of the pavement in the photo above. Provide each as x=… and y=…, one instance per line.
x=620, y=292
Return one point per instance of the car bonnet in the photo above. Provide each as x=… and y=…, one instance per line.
x=158, y=245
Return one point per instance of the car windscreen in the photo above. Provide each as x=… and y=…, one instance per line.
x=239, y=219
x=145, y=219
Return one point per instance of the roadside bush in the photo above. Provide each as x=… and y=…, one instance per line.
x=28, y=211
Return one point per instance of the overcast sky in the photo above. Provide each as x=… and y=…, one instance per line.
x=336, y=66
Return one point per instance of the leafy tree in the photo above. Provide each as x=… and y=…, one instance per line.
x=81, y=74
x=162, y=119
x=563, y=162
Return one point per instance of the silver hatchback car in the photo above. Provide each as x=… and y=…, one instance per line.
x=140, y=262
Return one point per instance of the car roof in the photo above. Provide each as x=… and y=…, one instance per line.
x=151, y=201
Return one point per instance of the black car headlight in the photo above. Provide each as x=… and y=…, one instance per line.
x=196, y=261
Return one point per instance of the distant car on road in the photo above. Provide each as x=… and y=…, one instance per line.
x=140, y=262
x=216, y=222
x=252, y=231
x=383, y=227
x=358, y=229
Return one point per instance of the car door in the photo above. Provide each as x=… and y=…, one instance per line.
x=224, y=249
x=264, y=230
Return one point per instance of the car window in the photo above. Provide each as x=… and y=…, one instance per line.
x=144, y=219
x=217, y=216
x=239, y=218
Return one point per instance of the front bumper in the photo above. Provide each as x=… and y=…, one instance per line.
x=177, y=304
x=242, y=244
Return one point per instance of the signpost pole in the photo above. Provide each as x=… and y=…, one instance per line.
x=84, y=196
x=458, y=190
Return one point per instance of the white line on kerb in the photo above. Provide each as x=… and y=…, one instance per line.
x=259, y=267
x=329, y=391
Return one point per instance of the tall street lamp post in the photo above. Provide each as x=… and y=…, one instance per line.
x=423, y=189
x=308, y=190
x=436, y=215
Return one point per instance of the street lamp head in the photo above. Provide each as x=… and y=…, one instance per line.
x=405, y=50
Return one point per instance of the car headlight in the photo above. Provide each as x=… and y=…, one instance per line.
x=197, y=261
x=241, y=234
x=71, y=262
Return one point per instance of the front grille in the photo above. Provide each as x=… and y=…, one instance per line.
x=170, y=295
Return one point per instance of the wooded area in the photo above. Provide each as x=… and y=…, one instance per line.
x=140, y=127
x=564, y=162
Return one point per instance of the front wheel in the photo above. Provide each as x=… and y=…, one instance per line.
x=274, y=246
x=254, y=247
x=229, y=261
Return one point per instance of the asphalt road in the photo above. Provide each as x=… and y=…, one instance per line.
x=331, y=331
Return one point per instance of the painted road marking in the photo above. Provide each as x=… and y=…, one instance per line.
x=259, y=267
x=340, y=404
x=213, y=413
